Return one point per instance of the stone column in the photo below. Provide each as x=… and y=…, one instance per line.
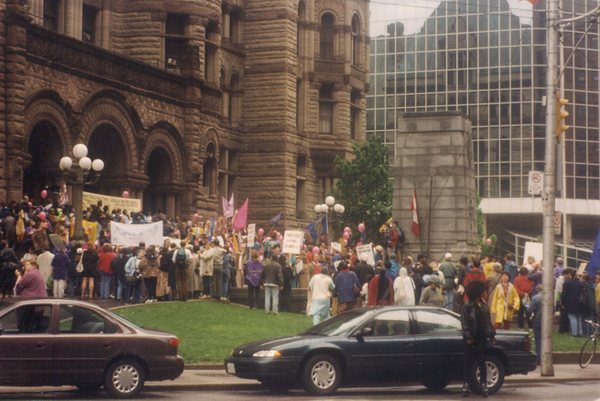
x=103, y=25
x=73, y=18
x=170, y=207
x=36, y=11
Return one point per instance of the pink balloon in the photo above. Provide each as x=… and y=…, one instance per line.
x=42, y=215
x=125, y=194
x=361, y=227
x=347, y=230
x=316, y=250
x=261, y=232
x=44, y=193
x=488, y=241
x=346, y=235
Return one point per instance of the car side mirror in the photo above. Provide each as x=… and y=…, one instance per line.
x=363, y=332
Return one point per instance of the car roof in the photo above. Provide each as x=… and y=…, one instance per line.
x=46, y=300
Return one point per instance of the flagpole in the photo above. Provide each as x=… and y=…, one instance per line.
x=417, y=210
x=429, y=212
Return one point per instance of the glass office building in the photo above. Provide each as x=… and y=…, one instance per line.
x=487, y=58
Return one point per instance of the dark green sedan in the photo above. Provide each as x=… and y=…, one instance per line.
x=383, y=345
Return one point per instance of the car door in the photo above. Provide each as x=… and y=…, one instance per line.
x=387, y=354
x=439, y=345
x=26, y=345
x=84, y=344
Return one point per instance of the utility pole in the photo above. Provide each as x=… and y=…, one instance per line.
x=549, y=191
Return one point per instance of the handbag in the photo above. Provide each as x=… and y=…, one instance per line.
x=79, y=267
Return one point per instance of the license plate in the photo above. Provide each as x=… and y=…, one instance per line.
x=231, y=368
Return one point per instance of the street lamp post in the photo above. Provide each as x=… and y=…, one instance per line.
x=78, y=173
x=327, y=208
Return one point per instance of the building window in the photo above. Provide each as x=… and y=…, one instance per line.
x=300, y=29
x=236, y=27
x=356, y=53
x=174, y=41
x=225, y=94
x=209, y=171
x=235, y=100
x=210, y=56
x=228, y=167
x=301, y=187
x=327, y=36
x=88, y=33
x=355, y=113
x=51, y=14
x=300, y=105
x=326, y=105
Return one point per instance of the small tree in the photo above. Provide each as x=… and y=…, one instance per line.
x=364, y=187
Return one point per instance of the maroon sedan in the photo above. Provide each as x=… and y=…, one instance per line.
x=58, y=342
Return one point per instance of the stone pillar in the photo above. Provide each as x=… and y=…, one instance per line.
x=36, y=11
x=170, y=207
x=103, y=25
x=73, y=18
x=434, y=156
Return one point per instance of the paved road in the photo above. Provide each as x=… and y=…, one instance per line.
x=586, y=391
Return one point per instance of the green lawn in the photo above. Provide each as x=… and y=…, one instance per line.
x=210, y=330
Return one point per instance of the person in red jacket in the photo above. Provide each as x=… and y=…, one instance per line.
x=381, y=291
x=524, y=287
x=475, y=274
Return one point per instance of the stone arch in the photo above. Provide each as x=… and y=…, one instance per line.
x=210, y=136
x=48, y=106
x=165, y=138
x=109, y=112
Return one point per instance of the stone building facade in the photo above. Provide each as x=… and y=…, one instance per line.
x=434, y=157
x=184, y=100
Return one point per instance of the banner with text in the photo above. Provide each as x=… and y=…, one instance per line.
x=251, y=235
x=365, y=252
x=133, y=234
x=113, y=202
x=292, y=242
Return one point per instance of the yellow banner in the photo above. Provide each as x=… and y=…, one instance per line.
x=113, y=202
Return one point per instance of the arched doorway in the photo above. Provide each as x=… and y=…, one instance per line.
x=160, y=195
x=45, y=147
x=107, y=144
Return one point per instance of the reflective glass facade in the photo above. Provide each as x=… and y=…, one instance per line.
x=480, y=57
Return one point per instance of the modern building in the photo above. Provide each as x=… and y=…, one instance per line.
x=184, y=100
x=488, y=60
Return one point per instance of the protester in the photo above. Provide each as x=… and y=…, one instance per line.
x=105, y=259
x=449, y=271
x=149, y=268
x=181, y=260
x=477, y=331
x=432, y=295
x=535, y=310
x=321, y=287
x=404, y=289
x=272, y=280
x=505, y=302
x=30, y=282
x=253, y=273
x=60, y=270
x=571, y=294
x=347, y=287
x=381, y=289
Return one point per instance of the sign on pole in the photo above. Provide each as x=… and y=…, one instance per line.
x=251, y=235
x=292, y=242
x=536, y=183
x=365, y=252
x=557, y=222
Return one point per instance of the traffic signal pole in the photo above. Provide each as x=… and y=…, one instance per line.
x=549, y=191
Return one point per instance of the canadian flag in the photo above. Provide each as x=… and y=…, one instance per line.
x=415, y=219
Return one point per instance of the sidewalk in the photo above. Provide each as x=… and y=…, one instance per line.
x=209, y=380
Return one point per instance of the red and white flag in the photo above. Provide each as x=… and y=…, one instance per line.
x=415, y=218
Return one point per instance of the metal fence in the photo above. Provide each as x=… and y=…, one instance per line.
x=514, y=243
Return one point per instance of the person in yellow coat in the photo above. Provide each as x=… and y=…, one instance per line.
x=505, y=302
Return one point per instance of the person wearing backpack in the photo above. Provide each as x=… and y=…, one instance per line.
x=181, y=257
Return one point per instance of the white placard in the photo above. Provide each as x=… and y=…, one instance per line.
x=292, y=242
x=133, y=234
x=251, y=235
x=536, y=183
x=336, y=246
x=535, y=249
x=367, y=251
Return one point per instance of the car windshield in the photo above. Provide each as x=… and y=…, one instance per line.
x=338, y=324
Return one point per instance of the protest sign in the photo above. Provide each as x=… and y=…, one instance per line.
x=365, y=252
x=113, y=202
x=292, y=241
x=133, y=234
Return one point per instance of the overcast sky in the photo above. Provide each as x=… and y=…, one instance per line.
x=412, y=13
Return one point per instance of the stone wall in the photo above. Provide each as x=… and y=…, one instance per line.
x=434, y=156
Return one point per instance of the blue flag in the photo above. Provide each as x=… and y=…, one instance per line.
x=312, y=230
x=594, y=263
x=324, y=225
x=275, y=220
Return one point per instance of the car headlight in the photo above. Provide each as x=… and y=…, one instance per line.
x=267, y=353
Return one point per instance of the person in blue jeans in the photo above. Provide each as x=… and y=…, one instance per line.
x=272, y=278
x=569, y=300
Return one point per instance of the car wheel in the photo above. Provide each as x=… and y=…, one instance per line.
x=437, y=381
x=277, y=386
x=322, y=375
x=495, y=375
x=124, y=378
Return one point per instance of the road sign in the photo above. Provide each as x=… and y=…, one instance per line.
x=536, y=183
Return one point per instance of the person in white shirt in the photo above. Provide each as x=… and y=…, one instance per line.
x=321, y=286
x=44, y=262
